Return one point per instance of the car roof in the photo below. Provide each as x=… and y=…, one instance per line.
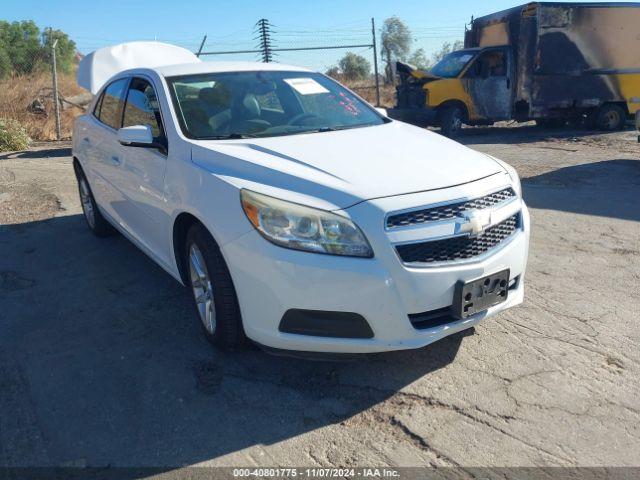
x=218, y=67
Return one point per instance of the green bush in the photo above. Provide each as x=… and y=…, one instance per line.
x=13, y=136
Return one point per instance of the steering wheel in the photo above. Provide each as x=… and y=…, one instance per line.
x=301, y=116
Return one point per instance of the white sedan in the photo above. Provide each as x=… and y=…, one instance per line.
x=299, y=216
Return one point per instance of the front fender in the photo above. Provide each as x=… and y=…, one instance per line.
x=448, y=90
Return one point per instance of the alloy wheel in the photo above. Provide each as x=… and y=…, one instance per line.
x=87, y=204
x=202, y=289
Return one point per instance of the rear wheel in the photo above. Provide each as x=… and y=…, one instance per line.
x=95, y=221
x=214, y=295
x=451, y=120
x=610, y=117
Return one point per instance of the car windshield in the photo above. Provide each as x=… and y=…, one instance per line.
x=452, y=64
x=265, y=103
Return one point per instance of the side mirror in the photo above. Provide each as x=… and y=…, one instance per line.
x=136, y=136
x=382, y=111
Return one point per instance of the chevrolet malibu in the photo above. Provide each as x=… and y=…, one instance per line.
x=299, y=216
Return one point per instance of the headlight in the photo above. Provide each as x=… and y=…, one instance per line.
x=515, y=178
x=304, y=228
x=516, y=181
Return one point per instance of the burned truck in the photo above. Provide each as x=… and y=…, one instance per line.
x=548, y=62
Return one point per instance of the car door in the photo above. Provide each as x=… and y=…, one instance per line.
x=490, y=84
x=99, y=140
x=143, y=169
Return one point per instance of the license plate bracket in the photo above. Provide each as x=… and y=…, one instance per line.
x=478, y=295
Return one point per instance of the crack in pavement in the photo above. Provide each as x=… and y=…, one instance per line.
x=399, y=399
x=420, y=442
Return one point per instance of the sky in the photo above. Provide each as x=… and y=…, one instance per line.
x=230, y=25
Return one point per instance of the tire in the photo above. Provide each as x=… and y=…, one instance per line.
x=610, y=117
x=551, y=122
x=214, y=296
x=451, y=120
x=98, y=225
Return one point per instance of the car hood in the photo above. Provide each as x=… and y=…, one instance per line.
x=345, y=167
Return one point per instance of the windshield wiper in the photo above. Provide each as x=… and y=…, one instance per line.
x=235, y=136
x=341, y=127
x=231, y=136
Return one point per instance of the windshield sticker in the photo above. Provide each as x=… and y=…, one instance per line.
x=306, y=86
x=466, y=58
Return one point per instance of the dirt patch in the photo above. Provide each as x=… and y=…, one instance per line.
x=208, y=377
x=26, y=203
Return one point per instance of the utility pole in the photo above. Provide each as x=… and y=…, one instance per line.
x=375, y=61
x=54, y=75
x=264, y=35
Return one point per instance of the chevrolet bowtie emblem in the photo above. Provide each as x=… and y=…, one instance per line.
x=474, y=222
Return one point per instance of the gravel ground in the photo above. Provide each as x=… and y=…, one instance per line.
x=102, y=362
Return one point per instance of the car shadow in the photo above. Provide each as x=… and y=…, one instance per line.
x=37, y=154
x=608, y=189
x=524, y=134
x=104, y=364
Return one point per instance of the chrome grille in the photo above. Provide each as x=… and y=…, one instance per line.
x=458, y=248
x=451, y=210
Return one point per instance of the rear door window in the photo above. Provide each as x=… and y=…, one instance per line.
x=110, y=107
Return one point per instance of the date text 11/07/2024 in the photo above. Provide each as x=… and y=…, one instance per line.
x=284, y=472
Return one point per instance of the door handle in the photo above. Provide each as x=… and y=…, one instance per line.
x=86, y=140
x=115, y=161
x=508, y=82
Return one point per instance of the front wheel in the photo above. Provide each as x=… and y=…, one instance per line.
x=214, y=295
x=451, y=120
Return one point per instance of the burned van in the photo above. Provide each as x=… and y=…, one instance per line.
x=549, y=62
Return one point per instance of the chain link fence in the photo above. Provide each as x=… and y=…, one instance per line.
x=348, y=52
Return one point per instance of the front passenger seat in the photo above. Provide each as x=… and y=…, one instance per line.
x=246, y=116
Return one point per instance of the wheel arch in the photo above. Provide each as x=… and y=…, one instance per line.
x=77, y=167
x=622, y=104
x=454, y=103
x=181, y=225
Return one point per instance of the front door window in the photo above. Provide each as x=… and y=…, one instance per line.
x=142, y=108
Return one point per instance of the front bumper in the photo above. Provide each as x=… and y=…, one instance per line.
x=420, y=116
x=270, y=280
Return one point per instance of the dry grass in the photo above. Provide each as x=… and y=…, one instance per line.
x=366, y=89
x=18, y=93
